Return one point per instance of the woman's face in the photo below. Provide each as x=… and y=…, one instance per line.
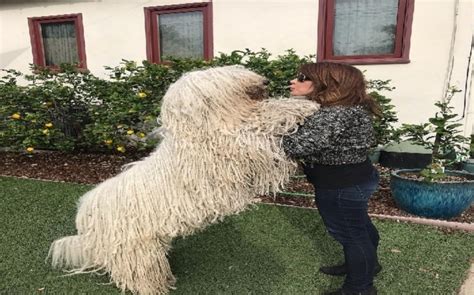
x=301, y=86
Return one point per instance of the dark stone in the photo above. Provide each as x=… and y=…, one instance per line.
x=404, y=160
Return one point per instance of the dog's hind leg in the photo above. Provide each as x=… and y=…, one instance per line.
x=142, y=267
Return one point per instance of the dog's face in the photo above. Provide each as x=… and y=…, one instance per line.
x=259, y=91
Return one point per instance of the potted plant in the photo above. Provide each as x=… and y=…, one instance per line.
x=390, y=151
x=385, y=132
x=435, y=191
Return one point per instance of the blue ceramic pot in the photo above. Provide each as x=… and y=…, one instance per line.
x=435, y=199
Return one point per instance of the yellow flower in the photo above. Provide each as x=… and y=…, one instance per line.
x=142, y=94
x=130, y=132
x=45, y=131
x=108, y=141
x=30, y=149
x=48, y=125
x=121, y=149
x=141, y=134
x=16, y=116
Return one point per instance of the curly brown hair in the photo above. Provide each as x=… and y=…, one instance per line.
x=338, y=84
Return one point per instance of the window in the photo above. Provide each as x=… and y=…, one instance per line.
x=179, y=31
x=365, y=31
x=57, y=39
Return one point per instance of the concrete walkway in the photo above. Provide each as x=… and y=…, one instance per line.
x=468, y=287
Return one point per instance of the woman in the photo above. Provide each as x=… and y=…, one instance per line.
x=333, y=145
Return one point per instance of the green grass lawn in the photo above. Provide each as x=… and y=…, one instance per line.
x=265, y=250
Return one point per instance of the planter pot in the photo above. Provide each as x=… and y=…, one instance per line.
x=404, y=155
x=435, y=199
x=468, y=166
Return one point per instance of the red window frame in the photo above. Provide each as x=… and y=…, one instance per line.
x=402, y=37
x=34, y=24
x=151, y=27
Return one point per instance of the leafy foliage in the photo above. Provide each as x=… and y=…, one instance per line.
x=279, y=70
x=441, y=134
x=70, y=110
x=385, y=130
x=48, y=112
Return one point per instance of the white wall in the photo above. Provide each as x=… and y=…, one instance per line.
x=115, y=29
x=276, y=25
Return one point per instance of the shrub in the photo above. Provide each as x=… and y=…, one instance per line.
x=279, y=71
x=385, y=131
x=70, y=110
x=48, y=112
x=124, y=108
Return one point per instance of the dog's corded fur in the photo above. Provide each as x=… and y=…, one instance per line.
x=220, y=149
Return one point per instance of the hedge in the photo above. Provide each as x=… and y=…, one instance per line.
x=72, y=110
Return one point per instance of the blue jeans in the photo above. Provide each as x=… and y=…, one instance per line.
x=344, y=213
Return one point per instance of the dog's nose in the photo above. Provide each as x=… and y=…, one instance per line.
x=266, y=82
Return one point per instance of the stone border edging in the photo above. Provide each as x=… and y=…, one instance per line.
x=469, y=227
x=425, y=221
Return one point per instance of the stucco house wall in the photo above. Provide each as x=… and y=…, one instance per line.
x=440, y=48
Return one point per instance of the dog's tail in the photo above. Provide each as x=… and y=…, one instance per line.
x=69, y=253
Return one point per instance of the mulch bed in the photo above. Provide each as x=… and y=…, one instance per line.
x=87, y=168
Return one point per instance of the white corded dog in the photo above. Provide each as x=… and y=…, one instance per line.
x=220, y=149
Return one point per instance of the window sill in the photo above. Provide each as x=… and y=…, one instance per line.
x=56, y=70
x=369, y=61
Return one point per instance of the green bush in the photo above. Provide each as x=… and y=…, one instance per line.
x=279, y=70
x=72, y=110
x=48, y=112
x=125, y=107
x=385, y=132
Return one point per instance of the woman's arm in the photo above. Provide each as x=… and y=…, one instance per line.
x=318, y=132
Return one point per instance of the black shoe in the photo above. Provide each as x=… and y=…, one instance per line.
x=370, y=291
x=336, y=270
x=340, y=270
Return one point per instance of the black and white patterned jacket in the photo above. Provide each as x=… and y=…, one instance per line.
x=334, y=135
